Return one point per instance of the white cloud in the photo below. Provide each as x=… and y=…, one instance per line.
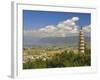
x=62, y=29
x=75, y=18
x=69, y=23
x=48, y=29
x=87, y=28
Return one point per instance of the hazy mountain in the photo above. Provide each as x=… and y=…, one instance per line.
x=54, y=41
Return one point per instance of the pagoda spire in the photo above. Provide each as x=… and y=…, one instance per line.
x=81, y=41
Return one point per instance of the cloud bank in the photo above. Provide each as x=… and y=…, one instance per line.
x=62, y=29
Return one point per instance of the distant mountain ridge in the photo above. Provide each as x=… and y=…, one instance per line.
x=54, y=41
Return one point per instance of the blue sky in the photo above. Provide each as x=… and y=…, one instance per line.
x=38, y=19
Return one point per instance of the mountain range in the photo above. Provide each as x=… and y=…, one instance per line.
x=71, y=41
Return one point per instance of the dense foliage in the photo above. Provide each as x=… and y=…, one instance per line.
x=65, y=59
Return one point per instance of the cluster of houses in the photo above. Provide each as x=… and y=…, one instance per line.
x=44, y=54
x=35, y=57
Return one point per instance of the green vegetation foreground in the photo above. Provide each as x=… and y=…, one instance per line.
x=65, y=59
